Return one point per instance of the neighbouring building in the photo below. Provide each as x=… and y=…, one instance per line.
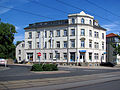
x=111, y=54
x=20, y=52
x=78, y=39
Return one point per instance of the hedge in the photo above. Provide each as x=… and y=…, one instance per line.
x=44, y=67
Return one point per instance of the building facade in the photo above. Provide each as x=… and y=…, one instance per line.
x=20, y=52
x=111, y=55
x=78, y=39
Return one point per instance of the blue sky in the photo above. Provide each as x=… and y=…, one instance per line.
x=56, y=11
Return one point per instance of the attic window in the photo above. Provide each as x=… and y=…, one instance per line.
x=82, y=21
x=73, y=21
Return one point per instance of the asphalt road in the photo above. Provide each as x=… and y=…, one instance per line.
x=111, y=85
x=23, y=73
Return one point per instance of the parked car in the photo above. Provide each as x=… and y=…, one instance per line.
x=108, y=64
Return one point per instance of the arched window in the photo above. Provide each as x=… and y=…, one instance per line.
x=73, y=21
x=90, y=22
x=82, y=21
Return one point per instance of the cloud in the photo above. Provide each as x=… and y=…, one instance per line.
x=4, y=10
x=17, y=28
x=110, y=27
x=19, y=37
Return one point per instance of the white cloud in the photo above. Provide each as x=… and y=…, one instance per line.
x=4, y=10
x=17, y=28
x=19, y=38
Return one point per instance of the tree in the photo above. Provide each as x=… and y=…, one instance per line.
x=116, y=46
x=18, y=42
x=7, y=48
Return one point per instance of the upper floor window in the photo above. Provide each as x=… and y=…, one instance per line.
x=90, y=22
x=82, y=32
x=82, y=43
x=96, y=34
x=19, y=52
x=73, y=21
x=90, y=33
x=82, y=21
x=30, y=35
x=90, y=43
x=38, y=34
x=72, y=32
x=103, y=45
x=51, y=33
x=38, y=45
x=102, y=35
x=58, y=44
x=65, y=32
x=45, y=34
x=72, y=43
x=30, y=44
x=23, y=45
x=96, y=45
x=58, y=33
x=65, y=44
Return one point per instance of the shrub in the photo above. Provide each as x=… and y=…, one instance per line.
x=37, y=67
x=44, y=67
x=50, y=67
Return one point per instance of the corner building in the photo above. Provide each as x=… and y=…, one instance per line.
x=76, y=40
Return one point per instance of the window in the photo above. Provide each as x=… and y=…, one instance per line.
x=102, y=35
x=19, y=58
x=44, y=55
x=38, y=34
x=82, y=43
x=19, y=52
x=65, y=44
x=30, y=44
x=96, y=45
x=57, y=55
x=97, y=35
x=103, y=45
x=58, y=33
x=90, y=56
x=96, y=56
x=72, y=32
x=73, y=21
x=90, y=22
x=45, y=45
x=90, y=33
x=58, y=44
x=82, y=21
x=45, y=34
x=65, y=56
x=72, y=43
x=51, y=33
x=51, y=55
x=65, y=32
x=23, y=45
x=82, y=32
x=38, y=45
x=30, y=35
x=90, y=43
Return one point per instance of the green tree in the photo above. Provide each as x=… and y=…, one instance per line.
x=7, y=48
x=18, y=42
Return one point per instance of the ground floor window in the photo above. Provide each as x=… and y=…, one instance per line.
x=19, y=58
x=51, y=55
x=57, y=55
x=90, y=56
x=44, y=56
x=72, y=56
x=30, y=56
x=65, y=56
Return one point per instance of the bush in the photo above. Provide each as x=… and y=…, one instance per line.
x=37, y=67
x=44, y=67
x=108, y=64
x=50, y=67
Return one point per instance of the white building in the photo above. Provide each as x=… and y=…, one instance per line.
x=111, y=54
x=20, y=52
x=79, y=39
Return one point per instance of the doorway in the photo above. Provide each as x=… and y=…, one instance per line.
x=82, y=57
x=72, y=56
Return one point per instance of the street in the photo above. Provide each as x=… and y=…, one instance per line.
x=78, y=78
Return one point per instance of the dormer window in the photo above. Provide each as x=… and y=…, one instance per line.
x=90, y=22
x=82, y=21
x=73, y=21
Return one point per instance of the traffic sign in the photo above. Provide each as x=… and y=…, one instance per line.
x=39, y=54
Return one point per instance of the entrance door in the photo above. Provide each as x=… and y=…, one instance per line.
x=82, y=57
x=72, y=56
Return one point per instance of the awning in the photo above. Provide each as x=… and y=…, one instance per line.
x=82, y=50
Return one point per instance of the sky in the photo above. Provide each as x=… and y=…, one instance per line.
x=21, y=13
